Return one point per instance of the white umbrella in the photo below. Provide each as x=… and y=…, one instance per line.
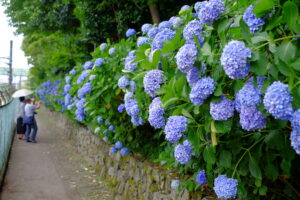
x=22, y=93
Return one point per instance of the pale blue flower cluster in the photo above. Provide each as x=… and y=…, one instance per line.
x=176, y=22
x=119, y=145
x=129, y=65
x=192, y=76
x=161, y=37
x=153, y=32
x=185, y=8
x=130, y=32
x=85, y=89
x=222, y=109
x=152, y=81
x=251, y=20
x=99, y=62
x=113, y=149
x=198, y=5
x=202, y=90
x=145, y=28
x=121, y=108
x=295, y=120
x=132, y=109
x=278, y=101
x=67, y=88
x=182, y=153
x=68, y=99
x=156, y=114
x=175, y=127
x=92, y=77
x=225, y=188
x=191, y=30
x=210, y=11
x=112, y=51
x=87, y=65
x=103, y=46
x=111, y=128
x=132, y=85
x=142, y=40
x=164, y=24
x=201, y=177
x=82, y=76
x=73, y=72
x=186, y=57
x=99, y=120
x=234, y=59
x=249, y=95
x=123, y=82
x=124, y=151
x=68, y=79
x=251, y=119
x=80, y=110
x=295, y=140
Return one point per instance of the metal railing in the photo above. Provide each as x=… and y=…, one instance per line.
x=5, y=94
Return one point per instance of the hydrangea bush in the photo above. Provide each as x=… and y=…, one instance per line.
x=212, y=92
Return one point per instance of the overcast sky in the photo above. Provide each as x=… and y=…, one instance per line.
x=7, y=34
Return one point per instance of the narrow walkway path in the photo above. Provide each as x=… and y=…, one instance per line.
x=50, y=170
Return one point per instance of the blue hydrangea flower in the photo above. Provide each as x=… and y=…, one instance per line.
x=202, y=90
x=176, y=22
x=99, y=120
x=85, y=89
x=68, y=99
x=136, y=120
x=210, y=11
x=87, y=65
x=175, y=184
x=111, y=128
x=113, y=149
x=145, y=28
x=185, y=8
x=103, y=46
x=129, y=65
x=142, y=40
x=295, y=140
x=68, y=79
x=201, y=177
x=164, y=24
x=198, y=5
x=161, y=37
x=259, y=81
x=67, y=88
x=92, y=77
x=249, y=95
x=193, y=76
x=99, y=62
x=152, y=81
x=156, y=114
x=121, y=108
x=295, y=120
x=186, y=57
x=119, y=145
x=130, y=32
x=153, y=31
x=128, y=95
x=222, y=109
x=105, y=139
x=187, y=143
x=252, y=119
x=123, y=82
x=105, y=132
x=175, y=127
x=234, y=59
x=82, y=76
x=124, y=151
x=131, y=107
x=278, y=101
x=73, y=72
x=251, y=20
x=112, y=51
x=192, y=29
x=80, y=110
x=182, y=154
x=225, y=188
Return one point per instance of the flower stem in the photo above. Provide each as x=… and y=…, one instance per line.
x=213, y=133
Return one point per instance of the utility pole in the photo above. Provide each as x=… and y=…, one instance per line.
x=10, y=71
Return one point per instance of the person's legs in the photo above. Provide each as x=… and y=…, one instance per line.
x=35, y=128
x=28, y=130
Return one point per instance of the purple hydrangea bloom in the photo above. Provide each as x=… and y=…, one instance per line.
x=234, y=59
x=278, y=101
x=201, y=90
x=222, y=109
x=201, y=177
x=124, y=151
x=99, y=120
x=145, y=28
x=119, y=145
x=175, y=184
x=251, y=20
x=224, y=187
x=211, y=11
x=142, y=40
x=80, y=110
x=111, y=128
x=137, y=121
x=73, y=72
x=131, y=107
x=259, y=80
x=87, y=65
x=130, y=32
x=182, y=154
x=187, y=143
x=176, y=22
x=198, y=5
x=123, y=82
x=295, y=140
x=112, y=51
x=152, y=81
x=164, y=24
x=82, y=76
x=252, y=119
x=99, y=62
x=185, y=8
x=295, y=120
x=67, y=88
x=121, y=108
x=153, y=32
x=175, y=127
x=103, y=46
x=129, y=65
x=192, y=29
x=249, y=95
x=85, y=89
x=156, y=114
x=68, y=99
x=186, y=57
x=192, y=76
x=113, y=149
x=161, y=37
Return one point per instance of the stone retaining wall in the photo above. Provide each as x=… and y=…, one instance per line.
x=128, y=177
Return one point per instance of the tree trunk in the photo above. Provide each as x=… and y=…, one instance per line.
x=154, y=12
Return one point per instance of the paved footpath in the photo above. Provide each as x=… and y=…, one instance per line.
x=50, y=169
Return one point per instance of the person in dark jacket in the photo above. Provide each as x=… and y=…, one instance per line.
x=21, y=128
